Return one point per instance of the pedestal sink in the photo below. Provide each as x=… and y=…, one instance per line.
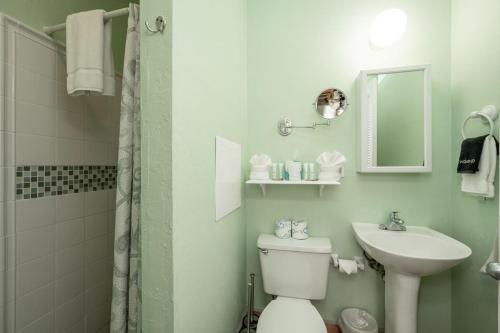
x=407, y=256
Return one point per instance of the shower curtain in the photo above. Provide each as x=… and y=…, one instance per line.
x=126, y=300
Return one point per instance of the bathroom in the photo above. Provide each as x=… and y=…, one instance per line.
x=252, y=62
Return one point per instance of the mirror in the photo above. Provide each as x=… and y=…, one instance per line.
x=331, y=103
x=395, y=120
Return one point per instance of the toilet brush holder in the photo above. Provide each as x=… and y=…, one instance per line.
x=249, y=323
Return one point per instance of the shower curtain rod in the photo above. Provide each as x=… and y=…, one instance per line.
x=108, y=15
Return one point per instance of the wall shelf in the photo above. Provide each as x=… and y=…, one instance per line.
x=320, y=183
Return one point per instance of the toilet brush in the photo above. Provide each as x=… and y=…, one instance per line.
x=251, y=319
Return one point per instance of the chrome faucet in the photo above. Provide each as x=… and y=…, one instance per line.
x=395, y=223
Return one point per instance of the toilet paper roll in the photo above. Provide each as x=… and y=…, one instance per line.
x=348, y=266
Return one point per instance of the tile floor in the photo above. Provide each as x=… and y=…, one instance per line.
x=332, y=328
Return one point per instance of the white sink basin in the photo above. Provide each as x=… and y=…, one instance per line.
x=417, y=251
x=407, y=256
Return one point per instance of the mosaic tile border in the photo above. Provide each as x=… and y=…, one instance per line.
x=37, y=181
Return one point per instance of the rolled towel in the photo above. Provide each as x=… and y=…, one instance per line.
x=89, y=55
x=331, y=165
x=481, y=182
x=299, y=230
x=259, y=167
x=283, y=229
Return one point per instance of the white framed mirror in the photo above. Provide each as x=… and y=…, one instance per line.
x=395, y=120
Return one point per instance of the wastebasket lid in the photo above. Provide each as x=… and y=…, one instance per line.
x=359, y=320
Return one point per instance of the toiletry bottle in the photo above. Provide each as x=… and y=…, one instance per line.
x=281, y=167
x=305, y=171
x=286, y=174
x=274, y=171
x=313, y=171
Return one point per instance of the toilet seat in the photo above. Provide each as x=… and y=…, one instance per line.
x=290, y=315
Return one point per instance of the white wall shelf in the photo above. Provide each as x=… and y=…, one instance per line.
x=320, y=183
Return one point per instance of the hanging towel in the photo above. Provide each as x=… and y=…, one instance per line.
x=481, y=182
x=470, y=154
x=89, y=55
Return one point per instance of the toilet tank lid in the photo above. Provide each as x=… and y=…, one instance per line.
x=310, y=245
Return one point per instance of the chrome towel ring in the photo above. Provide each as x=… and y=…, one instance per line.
x=489, y=114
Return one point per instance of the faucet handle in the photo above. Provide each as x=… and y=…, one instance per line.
x=394, y=215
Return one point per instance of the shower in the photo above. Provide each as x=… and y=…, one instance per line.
x=60, y=210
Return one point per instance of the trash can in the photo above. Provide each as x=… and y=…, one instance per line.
x=354, y=320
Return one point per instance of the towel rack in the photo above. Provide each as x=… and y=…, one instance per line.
x=489, y=114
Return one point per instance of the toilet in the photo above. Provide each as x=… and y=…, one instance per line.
x=296, y=272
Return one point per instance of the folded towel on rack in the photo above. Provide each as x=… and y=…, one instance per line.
x=89, y=56
x=481, y=182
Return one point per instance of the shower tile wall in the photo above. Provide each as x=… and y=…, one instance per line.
x=55, y=248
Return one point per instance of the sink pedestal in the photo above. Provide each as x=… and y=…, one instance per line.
x=401, y=302
x=418, y=251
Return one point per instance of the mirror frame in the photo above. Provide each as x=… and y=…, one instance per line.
x=367, y=123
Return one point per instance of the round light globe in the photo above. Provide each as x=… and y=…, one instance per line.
x=388, y=27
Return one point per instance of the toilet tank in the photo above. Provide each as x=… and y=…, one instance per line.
x=294, y=268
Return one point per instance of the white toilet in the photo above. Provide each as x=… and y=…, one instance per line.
x=296, y=271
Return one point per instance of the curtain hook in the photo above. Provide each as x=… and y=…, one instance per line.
x=159, y=23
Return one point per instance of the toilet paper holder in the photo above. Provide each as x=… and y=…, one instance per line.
x=360, y=261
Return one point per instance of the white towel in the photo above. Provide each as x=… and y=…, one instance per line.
x=259, y=167
x=89, y=54
x=331, y=165
x=331, y=159
x=481, y=182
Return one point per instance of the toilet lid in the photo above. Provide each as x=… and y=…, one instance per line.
x=290, y=315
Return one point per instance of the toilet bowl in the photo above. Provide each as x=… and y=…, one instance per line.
x=290, y=315
x=296, y=271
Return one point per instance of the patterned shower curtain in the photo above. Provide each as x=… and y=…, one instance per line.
x=126, y=301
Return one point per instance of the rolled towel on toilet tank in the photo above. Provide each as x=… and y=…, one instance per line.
x=299, y=230
x=283, y=228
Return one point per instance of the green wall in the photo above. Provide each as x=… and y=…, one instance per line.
x=209, y=99
x=475, y=83
x=400, y=119
x=38, y=14
x=295, y=50
x=156, y=197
